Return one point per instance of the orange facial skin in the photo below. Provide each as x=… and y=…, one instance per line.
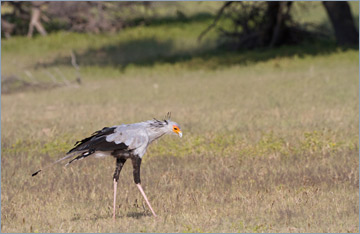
x=177, y=130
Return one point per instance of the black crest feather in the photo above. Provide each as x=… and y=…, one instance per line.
x=167, y=116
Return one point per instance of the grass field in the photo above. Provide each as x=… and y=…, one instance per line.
x=270, y=138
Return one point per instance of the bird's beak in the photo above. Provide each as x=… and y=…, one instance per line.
x=180, y=133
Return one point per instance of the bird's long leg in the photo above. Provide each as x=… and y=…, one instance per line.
x=147, y=201
x=136, y=161
x=119, y=164
x=114, y=205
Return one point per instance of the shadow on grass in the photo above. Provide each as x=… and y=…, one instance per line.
x=149, y=51
x=180, y=18
x=138, y=215
x=141, y=52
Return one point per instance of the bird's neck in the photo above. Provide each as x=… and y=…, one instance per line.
x=155, y=134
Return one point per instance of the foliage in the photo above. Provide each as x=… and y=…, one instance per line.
x=95, y=17
x=268, y=24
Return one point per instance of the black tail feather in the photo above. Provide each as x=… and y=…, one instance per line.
x=82, y=156
x=34, y=174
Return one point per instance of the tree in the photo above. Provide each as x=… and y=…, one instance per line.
x=36, y=19
x=259, y=24
x=83, y=16
x=342, y=22
x=269, y=24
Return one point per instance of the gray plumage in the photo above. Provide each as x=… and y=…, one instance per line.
x=123, y=139
x=126, y=138
x=126, y=141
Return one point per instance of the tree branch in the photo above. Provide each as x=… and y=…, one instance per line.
x=219, y=14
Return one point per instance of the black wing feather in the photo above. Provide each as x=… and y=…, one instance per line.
x=97, y=141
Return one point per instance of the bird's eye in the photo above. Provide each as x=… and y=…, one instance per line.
x=175, y=128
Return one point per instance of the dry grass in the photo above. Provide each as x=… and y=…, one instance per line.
x=270, y=137
x=197, y=193
x=265, y=149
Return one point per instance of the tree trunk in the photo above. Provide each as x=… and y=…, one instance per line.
x=266, y=34
x=35, y=20
x=273, y=34
x=342, y=22
x=7, y=27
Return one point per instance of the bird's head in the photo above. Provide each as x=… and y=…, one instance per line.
x=166, y=126
x=174, y=128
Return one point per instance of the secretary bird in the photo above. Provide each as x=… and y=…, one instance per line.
x=126, y=141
